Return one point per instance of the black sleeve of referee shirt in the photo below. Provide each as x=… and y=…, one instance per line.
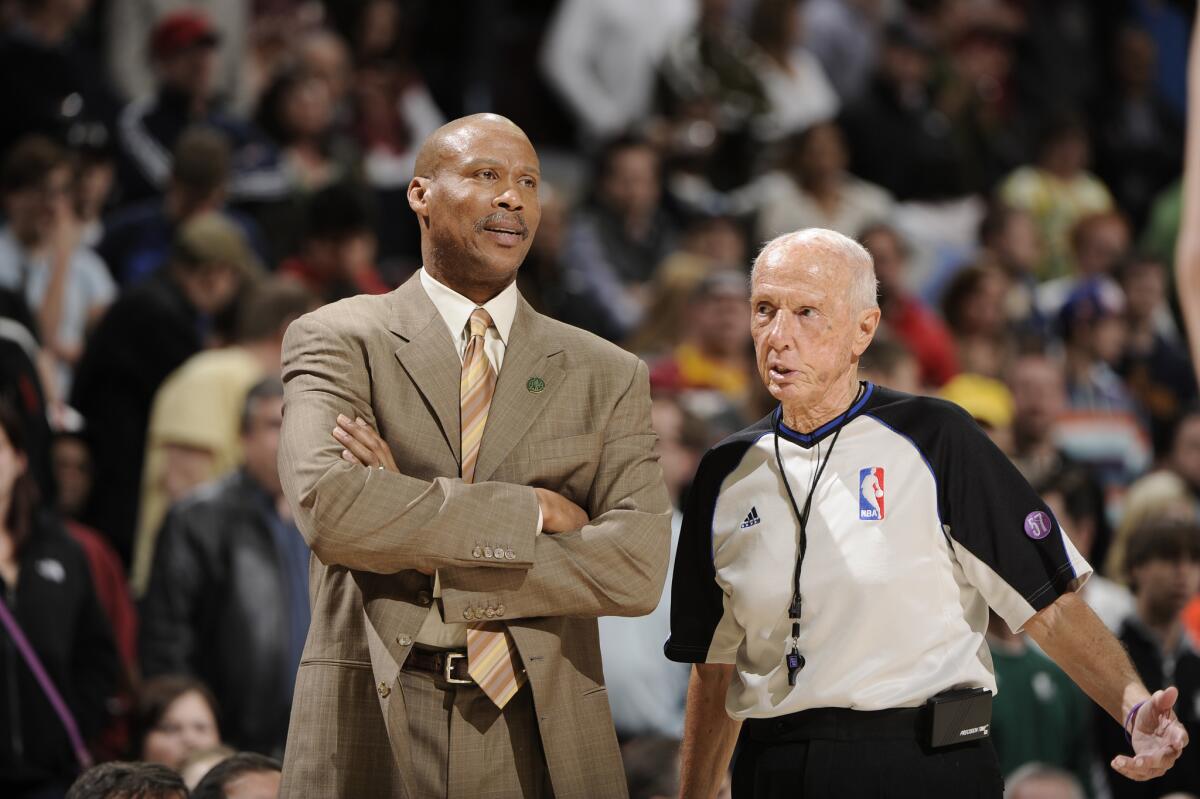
x=1010, y=546
x=697, y=600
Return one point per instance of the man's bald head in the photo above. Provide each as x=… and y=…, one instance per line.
x=475, y=194
x=840, y=257
x=456, y=135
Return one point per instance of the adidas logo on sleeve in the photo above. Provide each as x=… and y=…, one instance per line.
x=751, y=518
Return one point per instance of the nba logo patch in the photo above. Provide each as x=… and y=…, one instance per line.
x=870, y=494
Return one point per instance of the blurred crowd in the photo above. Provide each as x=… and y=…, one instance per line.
x=181, y=180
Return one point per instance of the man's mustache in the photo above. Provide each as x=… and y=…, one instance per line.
x=501, y=219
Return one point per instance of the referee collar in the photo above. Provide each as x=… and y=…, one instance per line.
x=808, y=439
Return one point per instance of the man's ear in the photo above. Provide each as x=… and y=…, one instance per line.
x=868, y=323
x=418, y=201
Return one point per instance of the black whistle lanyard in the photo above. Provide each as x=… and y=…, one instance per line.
x=793, y=659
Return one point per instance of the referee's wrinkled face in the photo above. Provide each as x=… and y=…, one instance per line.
x=813, y=313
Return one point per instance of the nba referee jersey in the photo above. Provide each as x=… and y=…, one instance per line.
x=918, y=524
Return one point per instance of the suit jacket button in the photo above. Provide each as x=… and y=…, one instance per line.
x=477, y=552
x=487, y=552
x=490, y=613
x=404, y=640
x=424, y=599
x=468, y=614
x=384, y=690
x=500, y=609
x=510, y=555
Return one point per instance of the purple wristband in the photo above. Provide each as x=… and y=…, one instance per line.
x=1129, y=720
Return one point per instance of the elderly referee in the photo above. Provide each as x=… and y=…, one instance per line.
x=836, y=566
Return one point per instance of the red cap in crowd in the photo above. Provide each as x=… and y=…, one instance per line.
x=180, y=31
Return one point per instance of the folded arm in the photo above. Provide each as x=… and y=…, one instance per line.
x=613, y=566
x=376, y=520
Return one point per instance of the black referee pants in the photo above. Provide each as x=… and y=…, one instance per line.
x=832, y=753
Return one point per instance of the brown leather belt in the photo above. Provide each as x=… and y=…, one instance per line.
x=449, y=664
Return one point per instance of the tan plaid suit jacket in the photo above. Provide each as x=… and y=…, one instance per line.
x=586, y=435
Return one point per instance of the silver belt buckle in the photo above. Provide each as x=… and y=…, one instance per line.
x=448, y=669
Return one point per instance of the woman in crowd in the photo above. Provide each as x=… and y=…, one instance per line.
x=53, y=693
x=176, y=717
x=974, y=309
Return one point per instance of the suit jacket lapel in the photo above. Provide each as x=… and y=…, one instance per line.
x=429, y=356
x=519, y=398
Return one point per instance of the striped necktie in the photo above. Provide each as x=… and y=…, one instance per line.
x=491, y=653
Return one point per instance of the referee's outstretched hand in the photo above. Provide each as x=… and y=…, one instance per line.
x=1158, y=738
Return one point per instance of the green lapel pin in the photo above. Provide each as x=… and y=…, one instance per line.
x=535, y=385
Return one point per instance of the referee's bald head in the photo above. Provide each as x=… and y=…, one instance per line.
x=842, y=257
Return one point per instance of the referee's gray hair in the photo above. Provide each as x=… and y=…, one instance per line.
x=863, y=286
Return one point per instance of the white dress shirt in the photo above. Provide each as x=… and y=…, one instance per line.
x=456, y=310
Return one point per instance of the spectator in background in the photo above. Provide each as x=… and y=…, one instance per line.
x=989, y=116
x=813, y=189
x=323, y=54
x=73, y=476
x=138, y=238
x=1057, y=190
x=1039, y=715
x=1183, y=454
x=1155, y=365
x=128, y=781
x=539, y=279
x=1036, y=780
x=615, y=243
x=395, y=113
x=246, y=775
x=1099, y=242
x=59, y=86
x=95, y=178
x=46, y=586
x=887, y=362
x=1163, y=566
x=21, y=366
x=708, y=244
x=711, y=99
x=1077, y=502
x=1139, y=136
x=898, y=137
x=1104, y=428
x=145, y=336
x=974, y=309
x=798, y=93
x=65, y=284
x=132, y=23
x=989, y=403
x=174, y=718
x=904, y=315
x=1158, y=496
x=1008, y=239
x=182, y=49
x=336, y=258
x=713, y=354
x=297, y=113
x=194, y=432
x=228, y=594
x=1039, y=402
x=844, y=36
x=602, y=55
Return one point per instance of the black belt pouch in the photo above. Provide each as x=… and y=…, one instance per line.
x=959, y=715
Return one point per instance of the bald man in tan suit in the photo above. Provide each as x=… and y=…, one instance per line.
x=478, y=484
